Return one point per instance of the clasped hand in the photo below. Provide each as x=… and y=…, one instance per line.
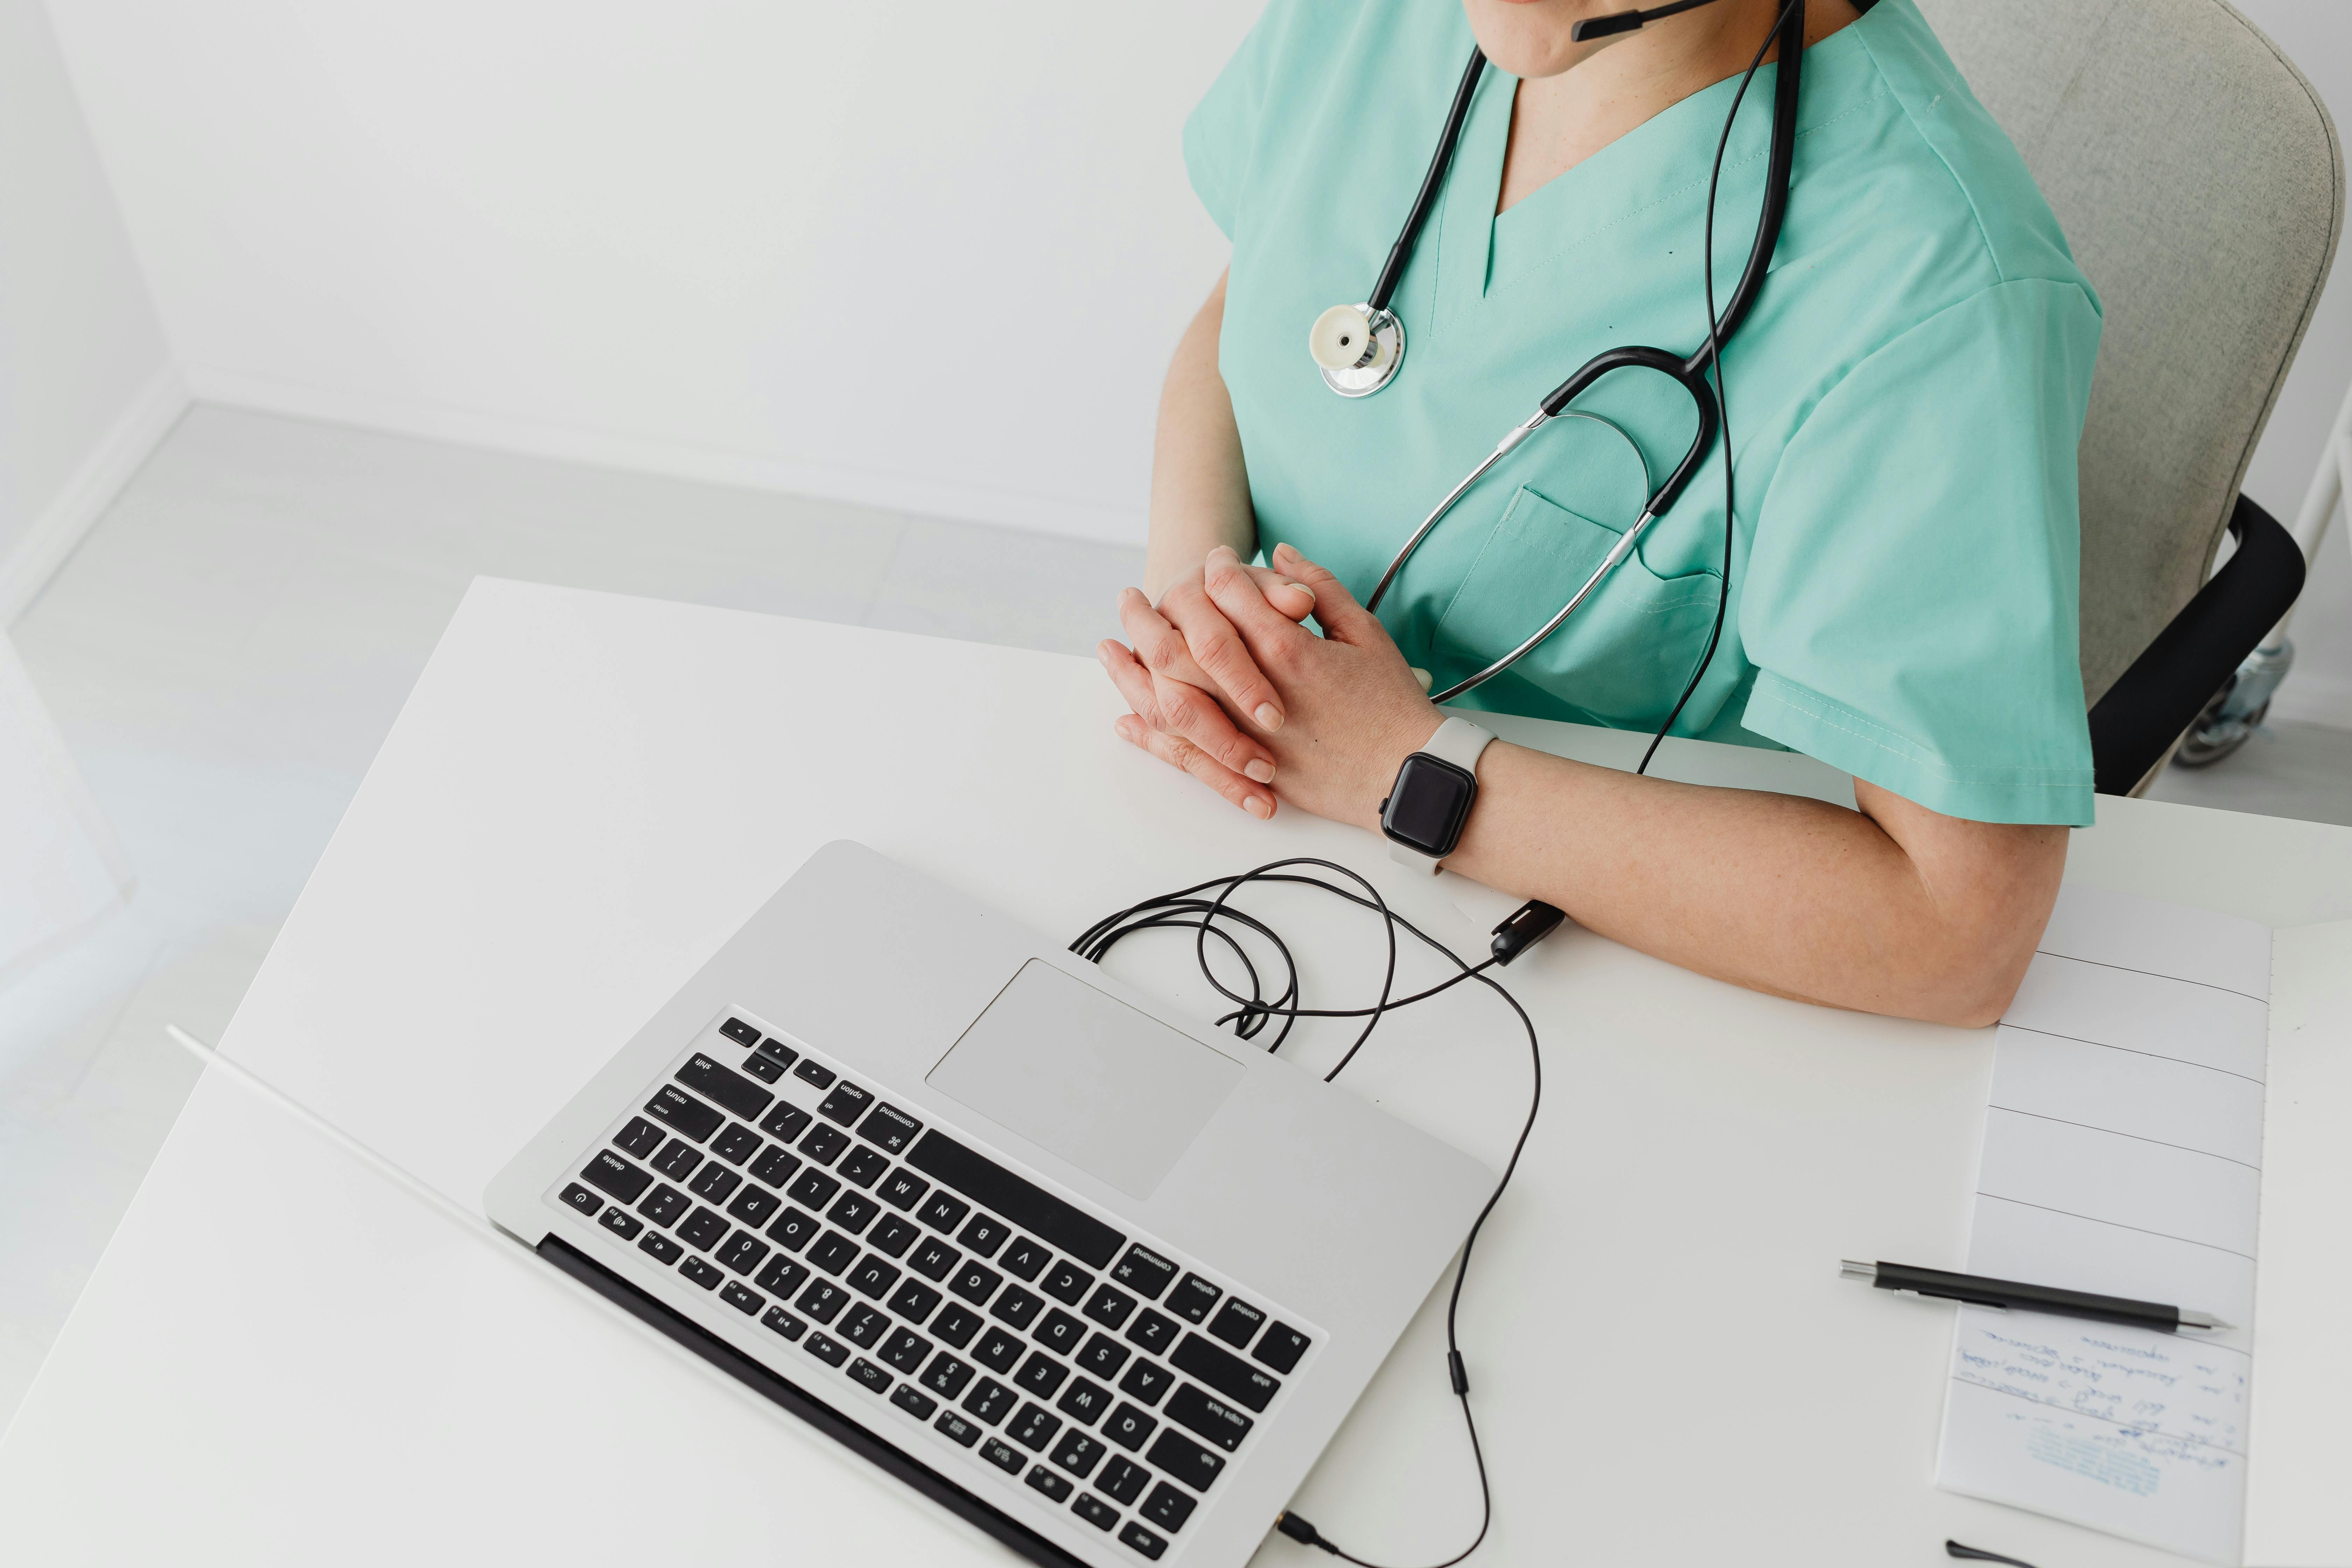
x=1227, y=683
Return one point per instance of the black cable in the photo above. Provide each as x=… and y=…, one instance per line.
x=1185, y=910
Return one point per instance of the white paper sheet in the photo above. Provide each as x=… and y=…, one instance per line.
x=2123, y=1153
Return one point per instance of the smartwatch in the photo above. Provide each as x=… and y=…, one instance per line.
x=1430, y=802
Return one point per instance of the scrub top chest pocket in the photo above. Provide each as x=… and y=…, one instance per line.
x=1625, y=654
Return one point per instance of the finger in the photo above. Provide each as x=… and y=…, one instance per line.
x=1270, y=634
x=1219, y=652
x=1179, y=752
x=1133, y=682
x=1335, y=608
x=1285, y=593
x=1183, y=696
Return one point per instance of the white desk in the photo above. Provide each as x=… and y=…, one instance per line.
x=283, y=1359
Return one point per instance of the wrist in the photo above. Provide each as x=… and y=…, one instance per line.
x=1401, y=741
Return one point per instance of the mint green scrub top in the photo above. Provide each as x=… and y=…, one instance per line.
x=1905, y=398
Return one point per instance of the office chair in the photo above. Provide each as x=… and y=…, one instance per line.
x=2199, y=181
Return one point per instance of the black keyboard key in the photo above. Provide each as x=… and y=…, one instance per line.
x=1066, y=1282
x=933, y=1260
x=1168, y=1508
x=776, y=1166
x=984, y=1235
x=1182, y=1459
x=1094, y=1511
x=1026, y=1260
x=1281, y=1347
x=742, y=1301
x=608, y=1172
x=1238, y=1323
x=792, y=1230
x=893, y=1237
x=1147, y=1380
x=907, y=1351
x=677, y=1161
x=944, y=1212
x=867, y=1375
x=1047, y=1481
x=1211, y=1417
x=815, y=1073
x=864, y=1327
x=957, y=1428
x=1225, y=1372
x=755, y=1206
x=873, y=1277
x=864, y=1166
x=1003, y=1457
x=715, y=1183
x=660, y=1247
x=904, y=1190
x=706, y=1228
x=1060, y=1332
x=891, y=1126
x=763, y=1069
x=975, y=1282
x=1040, y=1374
x=583, y=1199
x=786, y=1121
x=814, y=1190
x=640, y=1137
x=725, y=1086
x=833, y=1352
x=701, y=1273
x=1152, y=1332
x=1109, y=1306
x=1103, y=1356
x=1016, y=1307
x=1078, y=1453
x=831, y=1252
x=823, y=1144
x=997, y=1350
x=913, y=1300
x=742, y=1252
x=853, y=1211
x=1083, y=1402
x=784, y=1323
x=776, y=1051
x=913, y=1401
x=1022, y=1201
x=1144, y=1271
x=947, y=1377
x=737, y=1144
x=741, y=1033
x=1033, y=1428
x=1193, y=1298
x=664, y=1205
x=1142, y=1540
x=847, y=1103
x=957, y=1325
x=823, y=1301
x=990, y=1401
x=1122, y=1481
x=782, y=1275
x=688, y=1116
x=1130, y=1428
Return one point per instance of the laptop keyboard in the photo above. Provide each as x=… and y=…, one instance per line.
x=1014, y=1331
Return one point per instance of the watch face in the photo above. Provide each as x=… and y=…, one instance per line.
x=1428, y=806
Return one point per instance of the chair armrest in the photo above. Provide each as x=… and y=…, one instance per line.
x=2134, y=726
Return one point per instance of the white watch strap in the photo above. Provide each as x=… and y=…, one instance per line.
x=1458, y=741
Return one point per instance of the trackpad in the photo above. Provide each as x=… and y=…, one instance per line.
x=1112, y=1090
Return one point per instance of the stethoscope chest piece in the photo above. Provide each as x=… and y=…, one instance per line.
x=1356, y=348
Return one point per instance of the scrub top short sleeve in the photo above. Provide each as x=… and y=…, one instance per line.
x=1224, y=126
x=1917, y=551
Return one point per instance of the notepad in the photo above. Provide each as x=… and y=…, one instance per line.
x=2128, y=1130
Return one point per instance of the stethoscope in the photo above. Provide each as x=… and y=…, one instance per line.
x=1359, y=348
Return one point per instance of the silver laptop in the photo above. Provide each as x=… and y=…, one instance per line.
x=1098, y=1279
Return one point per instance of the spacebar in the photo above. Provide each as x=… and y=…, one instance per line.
x=1022, y=1201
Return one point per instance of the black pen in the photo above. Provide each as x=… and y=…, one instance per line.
x=2025, y=1298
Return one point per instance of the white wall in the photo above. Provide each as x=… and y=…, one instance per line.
x=930, y=254
x=2317, y=36
x=85, y=383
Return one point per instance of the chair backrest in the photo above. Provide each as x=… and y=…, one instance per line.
x=2198, y=180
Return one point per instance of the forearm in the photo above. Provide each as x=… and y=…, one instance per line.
x=1877, y=909
x=1199, y=489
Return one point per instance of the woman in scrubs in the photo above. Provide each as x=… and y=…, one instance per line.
x=1905, y=401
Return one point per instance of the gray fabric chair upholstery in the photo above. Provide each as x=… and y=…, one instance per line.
x=2199, y=179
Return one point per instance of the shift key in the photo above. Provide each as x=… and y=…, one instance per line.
x=1225, y=1372
x=730, y=1089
